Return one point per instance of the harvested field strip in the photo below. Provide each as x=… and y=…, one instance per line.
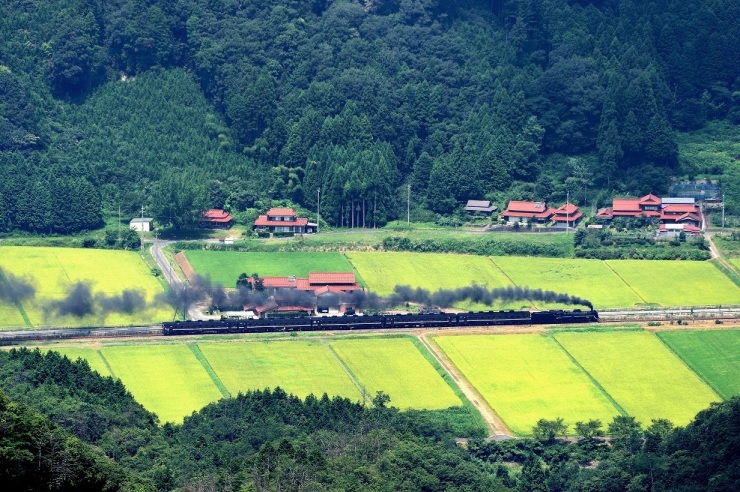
x=525, y=378
x=713, y=355
x=677, y=283
x=226, y=266
x=396, y=367
x=641, y=374
x=298, y=367
x=166, y=379
x=590, y=279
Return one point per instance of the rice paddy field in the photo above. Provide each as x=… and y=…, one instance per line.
x=527, y=377
x=226, y=266
x=714, y=355
x=53, y=271
x=677, y=283
x=298, y=367
x=167, y=379
x=396, y=367
x=590, y=279
x=91, y=355
x=641, y=374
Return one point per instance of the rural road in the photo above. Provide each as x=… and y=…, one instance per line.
x=496, y=426
x=169, y=273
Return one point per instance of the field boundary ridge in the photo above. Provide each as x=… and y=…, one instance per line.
x=207, y=367
x=688, y=365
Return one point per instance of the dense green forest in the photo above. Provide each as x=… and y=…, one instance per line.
x=57, y=416
x=181, y=105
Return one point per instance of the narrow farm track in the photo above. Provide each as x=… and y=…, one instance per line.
x=496, y=426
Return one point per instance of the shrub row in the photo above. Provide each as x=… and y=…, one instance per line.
x=642, y=254
x=489, y=246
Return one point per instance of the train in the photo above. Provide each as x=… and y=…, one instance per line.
x=378, y=322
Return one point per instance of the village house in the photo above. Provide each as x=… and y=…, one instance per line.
x=667, y=210
x=522, y=211
x=283, y=220
x=483, y=206
x=215, y=218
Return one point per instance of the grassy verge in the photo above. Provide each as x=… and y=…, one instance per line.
x=729, y=273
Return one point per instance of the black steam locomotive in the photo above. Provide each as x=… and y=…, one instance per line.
x=378, y=322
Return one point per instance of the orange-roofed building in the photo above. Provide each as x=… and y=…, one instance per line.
x=567, y=215
x=283, y=220
x=648, y=205
x=522, y=211
x=216, y=218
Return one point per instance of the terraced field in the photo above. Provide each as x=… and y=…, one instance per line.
x=713, y=355
x=298, y=367
x=396, y=367
x=53, y=271
x=645, y=378
x=167, y=379
x=525, y=378
x=225, y=266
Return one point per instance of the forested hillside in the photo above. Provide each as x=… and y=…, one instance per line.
x=269, y=440
x=180, y=105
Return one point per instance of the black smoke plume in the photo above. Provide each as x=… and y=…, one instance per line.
x=79, y=302
x=129, y=302
x=14, y=289
x=181, y=297
x=483, y=295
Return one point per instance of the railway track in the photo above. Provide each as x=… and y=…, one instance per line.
x=620, y=316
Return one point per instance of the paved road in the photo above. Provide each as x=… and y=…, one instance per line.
x=169, y=274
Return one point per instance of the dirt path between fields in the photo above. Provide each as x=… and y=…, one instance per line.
x=496, y=426
x=184, y=265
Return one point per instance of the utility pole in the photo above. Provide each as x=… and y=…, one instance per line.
x=142, y=228
x=318, y=209
x=723, y=210
x=408, y=204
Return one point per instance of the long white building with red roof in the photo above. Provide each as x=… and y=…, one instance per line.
x=283, y=220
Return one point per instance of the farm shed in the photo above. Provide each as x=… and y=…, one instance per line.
x=480, y=206
x=141, y=224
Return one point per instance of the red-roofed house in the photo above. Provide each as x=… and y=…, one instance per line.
x=567, y=214
x=681, y=214
x=521, y=211
x=283, y=220
x=323, y=281
x=672, y=230
x=648, y=205
x=216, y=218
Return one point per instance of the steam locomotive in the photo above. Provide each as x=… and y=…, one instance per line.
x=379, y=322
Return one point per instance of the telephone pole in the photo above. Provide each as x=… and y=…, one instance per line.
x=408, y=204
x=142, y=228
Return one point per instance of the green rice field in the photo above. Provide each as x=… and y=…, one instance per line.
x=226, y=266
x=53, y=271
x=677, y=283
x=590, y=279
x=396, y=367
x=713, y=355
x=298, y=367
x=527, y=377
x=167, y=379
x=644, y=377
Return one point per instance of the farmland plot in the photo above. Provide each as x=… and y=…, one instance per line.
x=641, y=374
x=590, y=279
x=298, y=367
x=396, y=367
x=713, y=355
x=226, y=266
x=167, y=379
x=91, y=355
x=677, y=283
x=525, y=378
x=53, y=271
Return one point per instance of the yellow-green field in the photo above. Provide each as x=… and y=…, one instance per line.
x=525, y=378
x=91, y=355
x=641, y=374
x=167, y=379
x=677, y=283
x=298, y=367
x=396, y=367
x=53, y=271
x=713, y=355
x=590, y=279
x=226, y=266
